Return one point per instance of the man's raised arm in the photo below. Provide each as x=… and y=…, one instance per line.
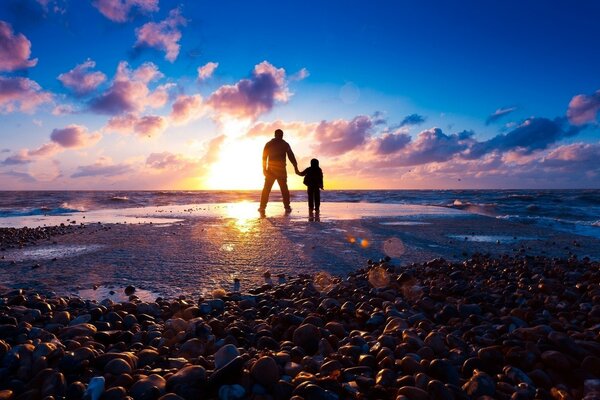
x=292, y=158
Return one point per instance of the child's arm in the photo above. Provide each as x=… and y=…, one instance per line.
x=302, y=173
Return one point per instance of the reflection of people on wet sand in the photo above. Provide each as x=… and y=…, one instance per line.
x=313, y=179
x=273, y=161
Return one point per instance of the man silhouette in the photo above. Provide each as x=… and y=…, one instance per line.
x=273, y=162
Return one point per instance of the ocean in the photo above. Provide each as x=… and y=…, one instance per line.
x=575, y=211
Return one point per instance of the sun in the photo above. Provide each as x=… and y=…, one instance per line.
x=238, y=167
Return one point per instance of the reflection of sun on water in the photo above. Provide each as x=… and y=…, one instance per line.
x=244, y=215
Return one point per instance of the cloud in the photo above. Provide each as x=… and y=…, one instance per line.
x=102, y=167
x=168, y=161
x=129, y=91
x=146, y=126
x=412, y=119
x=207, y=70
x=21, y=94
x=21, y=176
x=499, y=113
x=249, y=98
x=583, y=109
x=576, y=153
x=15, y=50
x=186, y=108
x=432, y=145
x=74, y=137
x=164, y=35
x=300, y=75
x=531, y=135
x=118, y=10
x=392, y=142
x=26, y=156
x=340, y=136
x=80, y=80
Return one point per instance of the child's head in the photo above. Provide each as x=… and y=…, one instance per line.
x=314, y=162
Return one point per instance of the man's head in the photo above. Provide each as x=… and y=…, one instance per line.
x=278, y=133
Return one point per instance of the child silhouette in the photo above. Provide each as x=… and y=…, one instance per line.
x=313, y=179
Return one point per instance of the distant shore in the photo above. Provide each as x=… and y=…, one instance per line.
x=502, y=327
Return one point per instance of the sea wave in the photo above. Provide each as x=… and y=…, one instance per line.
x=119, y=198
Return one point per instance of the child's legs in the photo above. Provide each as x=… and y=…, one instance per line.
x=317, y=198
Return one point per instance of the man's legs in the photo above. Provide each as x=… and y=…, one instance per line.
x=311, y=203
x=285, y=193
x=264, y=197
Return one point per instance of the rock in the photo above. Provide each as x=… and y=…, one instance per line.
x=75, y=391
x=170, y=396
x=555, y=360
x=147, y=357
x=336, y=328
x=149, y=387
x=436, y=342
x=117, y=366
x=225, y=354
x=395, y=326
x=193, y=348
x=115, y=393
x=443, y=370
x=188, y=381
x=95, y=388
x=228, y=374
x=231, y=392
x=438, y=391
x=480, y=384
x=413, y=393
x=77, y=330
x=129, y=290
x=265, y=371
x=307, y=336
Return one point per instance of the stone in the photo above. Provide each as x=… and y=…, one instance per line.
x=231, y=392
x=149, y=387
x=556, y=360
x=480, y=384
x=307, y=336
x=225, y=354
x=443, y=370
x=95, y=388
x=117, y=366
x=265, y=371
x=187, y=381
x=413, y=393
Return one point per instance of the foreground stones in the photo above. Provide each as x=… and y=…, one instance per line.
x=504, y=328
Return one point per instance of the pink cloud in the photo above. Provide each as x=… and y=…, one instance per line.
x=25, y=156
x=146, y=126
x=583, y=109
x=80, y=80
x=186, y=108
x=102, y=168
x=15, y=50
x=579, y=152
x=74, y=137
x=207, y=70
x=129, y=91
x=118, y=10
x=249, y=98
x=164, y=35
x=21, y=94
x=293, y=128
x=169, y=161
x=340, y=136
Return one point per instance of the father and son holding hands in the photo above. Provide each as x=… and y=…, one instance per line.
x=273, y=162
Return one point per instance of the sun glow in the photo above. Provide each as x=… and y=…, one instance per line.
x=239, y=166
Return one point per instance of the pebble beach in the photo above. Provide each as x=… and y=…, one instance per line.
x=488, y=327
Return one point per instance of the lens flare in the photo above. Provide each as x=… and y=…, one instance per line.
x=379, y=277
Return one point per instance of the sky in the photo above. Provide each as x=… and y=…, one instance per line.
x=175, y=94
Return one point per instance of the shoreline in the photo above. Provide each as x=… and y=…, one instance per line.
x=522, y=326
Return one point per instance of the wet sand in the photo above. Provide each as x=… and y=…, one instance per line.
x=192, y=250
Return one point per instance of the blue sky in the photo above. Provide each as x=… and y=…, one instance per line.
x=452, y=63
